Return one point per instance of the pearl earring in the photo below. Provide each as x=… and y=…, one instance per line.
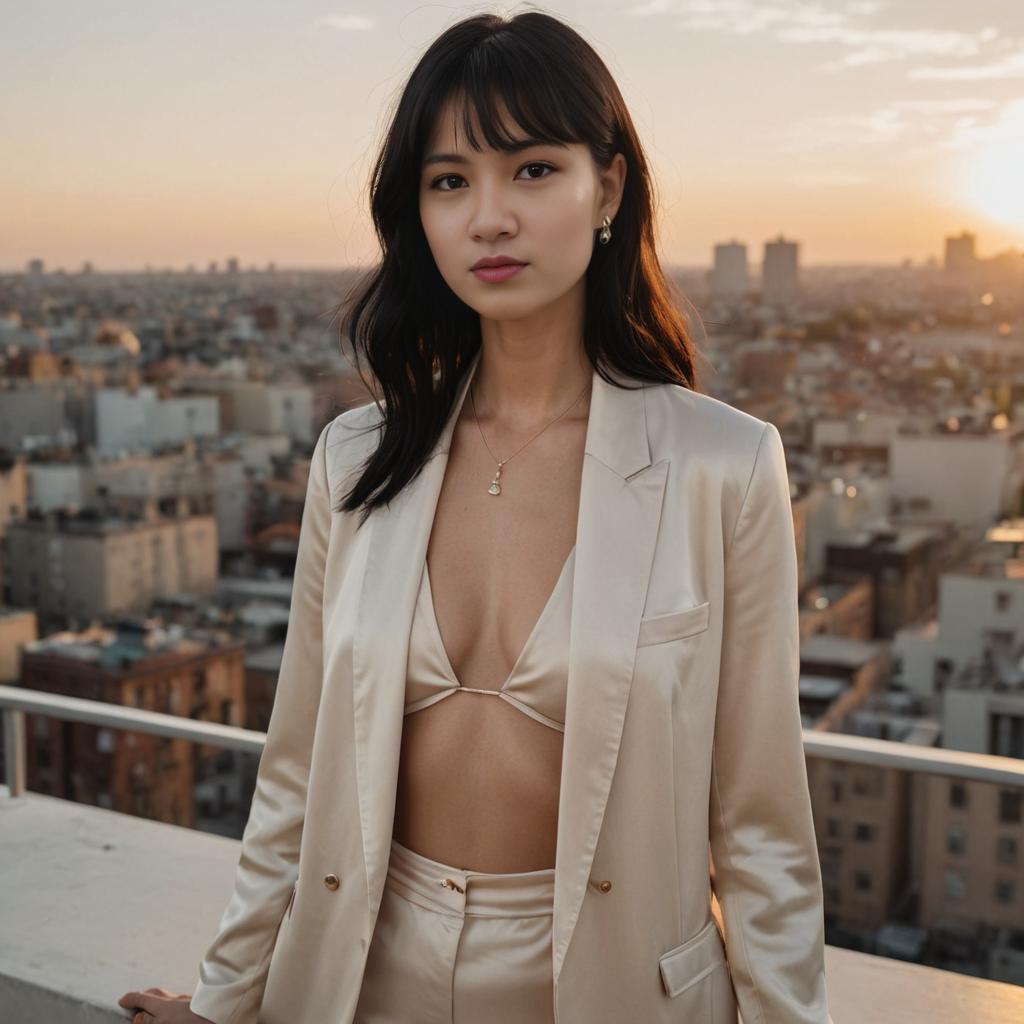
x=606, y=231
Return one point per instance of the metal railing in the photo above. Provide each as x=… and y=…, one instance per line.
x=15, y=702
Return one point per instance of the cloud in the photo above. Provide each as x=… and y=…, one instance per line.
x=653, y=7
x=920, y=126
x=1011, y=66
x=948, y=106
x=1005, y=131
x=877, y=46
x=806, y=22
x=347, y=22
x=744, y=17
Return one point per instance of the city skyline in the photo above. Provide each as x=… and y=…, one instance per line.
x=865, y=131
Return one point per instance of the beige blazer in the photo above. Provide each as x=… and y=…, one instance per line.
x=682, y=737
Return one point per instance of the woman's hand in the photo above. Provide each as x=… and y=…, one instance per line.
x=161, y=1007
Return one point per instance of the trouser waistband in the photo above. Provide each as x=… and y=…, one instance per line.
x=502, y=894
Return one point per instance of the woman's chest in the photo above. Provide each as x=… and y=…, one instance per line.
x=494, y=561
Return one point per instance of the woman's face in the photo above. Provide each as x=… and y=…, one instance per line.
x=541, y=205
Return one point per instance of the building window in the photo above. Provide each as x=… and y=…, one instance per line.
x=1006, y=735
x=1006, y=850
x=1009, y=806
x=867, y=781
x=957, y=794
x=956, y=841
x=1002, y=600
x=956, y=885
x=1003, y=890
x=999, y=639
x=833, y=828
x=862, y=881
x=837, y=790
x=863, y=832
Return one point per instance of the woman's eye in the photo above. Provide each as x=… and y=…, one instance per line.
x=546, y=166
x=438, y=183
x=446, y=177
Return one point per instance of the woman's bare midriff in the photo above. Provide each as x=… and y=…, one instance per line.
x=478, y=779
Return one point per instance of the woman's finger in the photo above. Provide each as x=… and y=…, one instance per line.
x=139, y=1001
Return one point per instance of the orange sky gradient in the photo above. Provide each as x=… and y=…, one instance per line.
x=175, y=134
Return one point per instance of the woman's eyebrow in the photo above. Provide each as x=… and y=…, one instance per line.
x=517, y=146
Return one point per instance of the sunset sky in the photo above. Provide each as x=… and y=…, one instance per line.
x=176, y=133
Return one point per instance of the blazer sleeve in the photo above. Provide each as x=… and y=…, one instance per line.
x=766, y=873
x=233, y=972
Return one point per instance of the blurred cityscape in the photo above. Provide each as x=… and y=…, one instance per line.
x=155, y=435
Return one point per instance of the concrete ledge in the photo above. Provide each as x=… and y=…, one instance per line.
x=866, y=989
x=95, y=903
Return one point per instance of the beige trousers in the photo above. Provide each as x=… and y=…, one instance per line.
x=476, y=949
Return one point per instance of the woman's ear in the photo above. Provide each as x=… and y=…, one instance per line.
x=613, y=181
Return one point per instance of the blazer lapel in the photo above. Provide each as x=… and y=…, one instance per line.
x=399, y=535
x=620, y=507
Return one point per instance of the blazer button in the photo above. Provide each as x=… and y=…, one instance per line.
x=604, y=886
x=332, y=881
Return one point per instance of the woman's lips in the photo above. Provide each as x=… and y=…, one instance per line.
x=492, y=275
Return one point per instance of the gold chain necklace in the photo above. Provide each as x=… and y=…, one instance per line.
x=495, y=487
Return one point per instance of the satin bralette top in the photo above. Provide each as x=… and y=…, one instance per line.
x=536, y=685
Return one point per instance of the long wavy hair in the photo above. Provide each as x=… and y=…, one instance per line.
x=415, y=334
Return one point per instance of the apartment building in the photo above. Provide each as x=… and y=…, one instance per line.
x=84, y=566
x=136, y=664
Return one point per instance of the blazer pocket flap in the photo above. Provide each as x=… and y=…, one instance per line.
x=694, y=959
x=659, y=629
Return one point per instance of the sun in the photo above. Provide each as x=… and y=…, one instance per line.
x=994, y=174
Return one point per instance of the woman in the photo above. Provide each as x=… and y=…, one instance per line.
x=541, y=669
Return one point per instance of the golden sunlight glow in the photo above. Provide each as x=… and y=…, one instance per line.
x=995, y=173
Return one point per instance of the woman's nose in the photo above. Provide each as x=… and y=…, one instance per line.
x=492, y=214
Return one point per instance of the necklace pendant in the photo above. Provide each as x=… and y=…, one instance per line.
x=495, y=487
